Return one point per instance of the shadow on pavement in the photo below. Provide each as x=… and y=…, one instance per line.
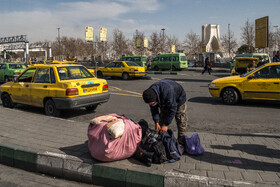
x=241, y=163
x=250, y=135
x=206, y=100
x=253, y=149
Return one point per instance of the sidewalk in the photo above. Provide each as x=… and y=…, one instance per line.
x=58, y=147
x=200, y=69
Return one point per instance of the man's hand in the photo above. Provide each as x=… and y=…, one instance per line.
x=157, y=126
x=164, y=128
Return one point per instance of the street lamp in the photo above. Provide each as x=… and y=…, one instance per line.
x=276, y=38
x=163, y=39
x=58, y=36
x=229, y=40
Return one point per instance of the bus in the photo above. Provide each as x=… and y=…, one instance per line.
x=172, y=61
x=141, y=60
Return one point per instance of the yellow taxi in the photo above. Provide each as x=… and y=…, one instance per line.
x=262, y=83
x=55, y=87
x=244, y=65
x=124, y=69
x=70, y=63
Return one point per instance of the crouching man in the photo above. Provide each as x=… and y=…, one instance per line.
x=167, y=99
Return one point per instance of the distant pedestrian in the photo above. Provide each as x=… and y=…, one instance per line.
x=207, y=66
x=149, y=63
x=276, y=58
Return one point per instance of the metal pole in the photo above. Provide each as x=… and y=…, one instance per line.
x=59, y=47
x=229, y=40
x=163, y=39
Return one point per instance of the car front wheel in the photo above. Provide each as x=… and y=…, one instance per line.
x=50, y=108
x=230, y=96
x=7, y=101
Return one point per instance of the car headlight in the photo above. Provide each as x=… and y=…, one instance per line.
x=212, y=84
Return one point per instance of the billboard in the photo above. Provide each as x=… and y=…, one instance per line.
x=103, y=34
x=146, y=42
x=173, y=49
x=261, y=32
x=138, y=42
x=89, y=33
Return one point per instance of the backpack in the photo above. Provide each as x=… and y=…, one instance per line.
x=193, y=145
x=151, y=149
x=171, y=146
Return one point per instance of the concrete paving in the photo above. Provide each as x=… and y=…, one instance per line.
x=58, y=147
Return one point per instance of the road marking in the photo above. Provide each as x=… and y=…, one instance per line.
x=125, y=94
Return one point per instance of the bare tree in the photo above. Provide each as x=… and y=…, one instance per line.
x=155, y=43
x=192, y=44
x=120, y=43
x=173, y=40
x=248, y=35
x=229, y=42
x=138, y=41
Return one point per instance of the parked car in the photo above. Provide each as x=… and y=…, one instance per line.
x=262, y=83
x=56, y=87
x=70, y=62
x=244, y=65
x=9, y=71
x=124, y=69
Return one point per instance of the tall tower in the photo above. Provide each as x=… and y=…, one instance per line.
x=211, y=38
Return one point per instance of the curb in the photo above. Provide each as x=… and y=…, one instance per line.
x=160, y=72
x=97, y=173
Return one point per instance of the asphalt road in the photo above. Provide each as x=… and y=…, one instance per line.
x=205, y=113
x=13, y=177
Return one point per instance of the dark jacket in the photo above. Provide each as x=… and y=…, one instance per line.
x=170, y=95
x=276, y=59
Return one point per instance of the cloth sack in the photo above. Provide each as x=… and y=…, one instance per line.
x=116, y=128
x=193, y=145
x=103, y=148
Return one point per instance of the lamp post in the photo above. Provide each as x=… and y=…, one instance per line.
x=59, y=47
x=163, y=29
x=229, y=40
x=276, y=38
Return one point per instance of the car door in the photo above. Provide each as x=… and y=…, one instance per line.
x=20, y=90
x=119, y=69
x=264, y=84
x=109, y=69
x=42, y=86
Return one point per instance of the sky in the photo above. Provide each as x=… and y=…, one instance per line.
x=39, y=19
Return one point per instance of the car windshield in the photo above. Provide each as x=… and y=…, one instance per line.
x=183, y=58
x=254, y=70
x=73, y=72
x=131, y=64
x=17, y=66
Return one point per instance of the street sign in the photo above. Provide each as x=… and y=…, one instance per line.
x=103, y=34
x=261, y=32
x=146, y=42
x=173, y=49
x=138, y=42
x=89, y=33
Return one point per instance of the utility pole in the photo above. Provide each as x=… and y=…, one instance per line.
x=59, y=46
x=163, y=39
x=229, y=40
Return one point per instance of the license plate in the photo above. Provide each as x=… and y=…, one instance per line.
x=90, y=89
